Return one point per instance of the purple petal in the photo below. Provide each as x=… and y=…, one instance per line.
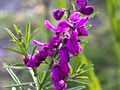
x=33, y=63
x=82, y=22
x=59, y=84
x=63, y=26
x=65, y=69
x=75, y=17
x=50, y=26
x=82, y=3
x=87, y=10
x=82, y=32
x=40, y=44
x=58, y=14
x=73, y=46
x=74, y=33
x=64, y=55
x=56, y=72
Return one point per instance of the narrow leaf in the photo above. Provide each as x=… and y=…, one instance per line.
x=13, y=50
x=71, y=70
x=17, y=85
x=84, y=42
x=16, y=28
x=83, y=82
x=27, y=34
x=12, y=35
x=92, y=15
x=82, y=77
x=16, y=67
x=88, y=27
x=33, y=34
x=76, y=88
x=42, y=76
x=82, y=65
x=47, y=83
x=88, y=66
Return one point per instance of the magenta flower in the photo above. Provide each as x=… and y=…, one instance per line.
x=59, y=84
x=75, y=17
x=64, y=55
x=56, y=72
x=65, y=68
x=82, y=3
x=58, y=14
x=62, y=27
x=82, y=32
x=32, y=62
x=87, y=10
x=73, y=46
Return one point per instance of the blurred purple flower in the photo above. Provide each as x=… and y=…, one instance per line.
x=75, y=17
x=59, y=84
x=65, y=68
x=88, y=10
x=64, y=55
x=73, y=46
x=82, y=3
x=58, y=14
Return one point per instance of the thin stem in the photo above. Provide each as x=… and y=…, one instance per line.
x=69, y=10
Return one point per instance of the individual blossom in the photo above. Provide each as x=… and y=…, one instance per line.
x=73, y=46
x=32, y=62
x=82, y=3
x=64, y=54
x=59, y=84
x=58, y=14
x=65, y=68
x=88, y=10
x=75, y=17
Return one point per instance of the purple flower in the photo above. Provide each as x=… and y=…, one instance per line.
x=59, y=84
x=87, y=10
x=82, y=3
x=64, y=55
x=58, y=14
x=73, y=46
x=32, y=62
x=75, y=17
x=65, y=68
x=62, y=27
x=82, y=32
x=56, y=72
x=42, y=55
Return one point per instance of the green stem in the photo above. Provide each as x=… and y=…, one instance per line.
x=69, y=10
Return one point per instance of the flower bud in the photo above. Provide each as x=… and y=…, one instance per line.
x=58, y=14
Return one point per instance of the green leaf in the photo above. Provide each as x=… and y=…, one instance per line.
x=92, y=15
x=88, y=27
x=13, y=50
x=84, y=42
x=42, y=76
x=21, y=84
x=82, y=65
x=82, y=81
x=12, y=35
x=17, y=31
x=76, y=88
x=27, y=36
x=16, y=67
x=83, y=71
x=33, y=34
x=15, y=78
x=82, y=77
x=88, y=66
x=71, y=70
x=46, y=84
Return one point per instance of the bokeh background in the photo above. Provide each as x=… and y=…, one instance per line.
x=102, y=49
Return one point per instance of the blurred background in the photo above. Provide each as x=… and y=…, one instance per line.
x=102, y=49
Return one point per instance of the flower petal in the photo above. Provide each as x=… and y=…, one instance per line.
x=58, y=14
x=82, y=22
x=75, y=17
x=50, y=26
x=82, y=32
x=87, y=10
x=40, y=44
x=82, y=3
x=63, y=26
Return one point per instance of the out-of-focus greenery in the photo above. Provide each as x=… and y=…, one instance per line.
x=99, y=49
x=114, y=14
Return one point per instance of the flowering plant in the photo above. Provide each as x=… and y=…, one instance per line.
x=65, y=43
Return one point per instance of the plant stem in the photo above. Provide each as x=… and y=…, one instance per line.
x=69, y=10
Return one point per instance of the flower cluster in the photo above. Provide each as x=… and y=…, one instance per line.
x=65, y=41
